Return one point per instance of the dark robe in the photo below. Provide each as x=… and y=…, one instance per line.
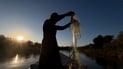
x=49, y=56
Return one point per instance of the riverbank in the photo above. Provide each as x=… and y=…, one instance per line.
x=104, y=54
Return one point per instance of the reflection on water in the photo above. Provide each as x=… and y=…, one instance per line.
x=18, y=62
x=15, y=61
x=98, y=63
x=91, y=63
x=101, y=63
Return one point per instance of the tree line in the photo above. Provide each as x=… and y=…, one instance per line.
x=107, y=42
x=108, y=48
x=10, y=47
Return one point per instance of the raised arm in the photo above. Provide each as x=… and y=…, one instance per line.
x=62, y=27
x=66, y=14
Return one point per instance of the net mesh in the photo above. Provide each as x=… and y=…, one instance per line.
x=75, y=26
x=75, y=33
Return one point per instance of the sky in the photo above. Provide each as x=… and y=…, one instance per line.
x=26, y=18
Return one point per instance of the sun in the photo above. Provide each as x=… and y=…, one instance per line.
x=20, y=38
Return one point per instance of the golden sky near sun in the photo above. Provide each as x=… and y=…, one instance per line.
x=20, y=36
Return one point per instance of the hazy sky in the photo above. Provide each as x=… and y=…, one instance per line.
x=26, y=17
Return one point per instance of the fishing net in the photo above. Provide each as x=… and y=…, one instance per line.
x=75, y=26
x=76, y=34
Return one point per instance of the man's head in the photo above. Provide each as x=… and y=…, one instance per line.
x=54, y=15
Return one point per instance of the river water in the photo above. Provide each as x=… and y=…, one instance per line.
x=97, y=63
x=19, y=62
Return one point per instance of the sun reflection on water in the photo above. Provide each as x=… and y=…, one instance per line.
x=19, y=62
x=16, y=61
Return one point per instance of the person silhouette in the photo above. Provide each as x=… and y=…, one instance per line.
x=50, y=56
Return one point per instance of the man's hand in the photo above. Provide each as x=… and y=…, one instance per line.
x=71, y=13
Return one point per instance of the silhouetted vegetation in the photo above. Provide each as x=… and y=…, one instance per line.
x=100, y=41
x=10, y=47
x=105, y=47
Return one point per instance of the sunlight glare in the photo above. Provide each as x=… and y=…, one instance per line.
x=20, y=38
